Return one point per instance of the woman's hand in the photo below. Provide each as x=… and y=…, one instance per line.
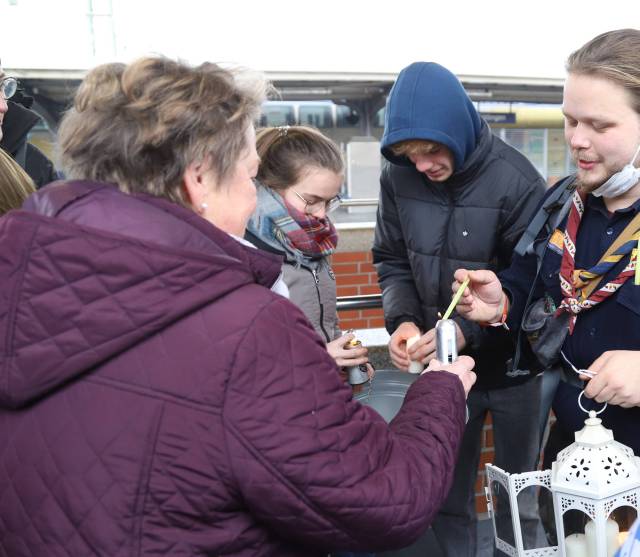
x=346, y=355
x=462, y=367
x=483, y=300
x=424, y=349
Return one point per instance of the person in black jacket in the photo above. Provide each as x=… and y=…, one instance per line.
x=16, y=121
x=454, y=195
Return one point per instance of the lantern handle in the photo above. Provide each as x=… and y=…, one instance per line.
x=588, y=411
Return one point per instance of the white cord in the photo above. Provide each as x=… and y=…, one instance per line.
x=586, y=372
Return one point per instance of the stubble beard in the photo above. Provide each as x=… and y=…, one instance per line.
x=587, y=187
x=586, y=182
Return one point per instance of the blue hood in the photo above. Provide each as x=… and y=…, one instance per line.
x=428, y=102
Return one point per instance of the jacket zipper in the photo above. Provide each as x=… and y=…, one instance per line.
x=317, y=281
x=445, y=246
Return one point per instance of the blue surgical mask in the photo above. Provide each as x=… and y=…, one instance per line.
x=621, y=181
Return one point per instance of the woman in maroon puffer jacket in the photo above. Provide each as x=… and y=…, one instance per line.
x=156, y=397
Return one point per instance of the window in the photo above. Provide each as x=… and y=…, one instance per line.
x=531, y=143
x=317, y=115
x=277, y=115
x=346, y=117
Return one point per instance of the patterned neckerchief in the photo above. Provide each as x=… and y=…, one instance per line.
x=579, y=285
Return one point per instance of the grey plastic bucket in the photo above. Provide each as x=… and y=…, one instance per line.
x=387, y=392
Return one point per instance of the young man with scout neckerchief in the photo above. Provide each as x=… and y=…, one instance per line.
x=586, y=289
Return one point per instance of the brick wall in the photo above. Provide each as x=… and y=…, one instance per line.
x=355, y=275
x=487, y=456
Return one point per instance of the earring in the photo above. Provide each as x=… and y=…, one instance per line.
x=203, y=207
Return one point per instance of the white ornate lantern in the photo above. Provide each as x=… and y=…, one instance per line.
x=590, y=480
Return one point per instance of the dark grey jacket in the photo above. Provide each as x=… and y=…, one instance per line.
x=427, y=230
x=312, y=286
x=16, y=126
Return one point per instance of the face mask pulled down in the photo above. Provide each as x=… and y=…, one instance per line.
x=621, y=181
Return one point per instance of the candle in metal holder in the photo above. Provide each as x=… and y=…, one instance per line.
x=446, y=345
x=357, y=375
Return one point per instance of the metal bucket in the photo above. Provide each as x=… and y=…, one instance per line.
x=387, y=392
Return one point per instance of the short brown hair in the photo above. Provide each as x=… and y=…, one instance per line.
x=413, y=147
x=613, y=55
x=15, y=184
x=285, y=152
x=141, y=125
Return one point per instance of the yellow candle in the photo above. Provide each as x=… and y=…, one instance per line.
x=456, y=298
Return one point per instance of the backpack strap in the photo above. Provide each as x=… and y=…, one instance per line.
x=554, y=209
x=550, y=214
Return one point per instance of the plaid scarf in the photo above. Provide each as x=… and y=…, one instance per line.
x=579, y=285
x=304, y=236
x=314, y=237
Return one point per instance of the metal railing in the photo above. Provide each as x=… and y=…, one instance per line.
x=362, y=301
x=360, y=202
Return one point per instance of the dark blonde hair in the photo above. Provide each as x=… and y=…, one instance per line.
x=413, y=147
x=15, y=184
x=141, y=125
x=613, y=55
x=287, y=151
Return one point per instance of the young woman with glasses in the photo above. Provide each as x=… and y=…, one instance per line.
x=299, y=179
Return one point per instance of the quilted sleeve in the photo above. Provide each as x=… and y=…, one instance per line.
x=521, y=205
x=400, y=299
x=320, y=469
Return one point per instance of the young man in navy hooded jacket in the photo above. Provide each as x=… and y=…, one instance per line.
x=453, y=195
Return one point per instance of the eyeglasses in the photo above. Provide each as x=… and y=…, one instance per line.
x=8, y=87
x=328, y=205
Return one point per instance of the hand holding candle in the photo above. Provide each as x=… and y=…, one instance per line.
x=415, y=366
x=398, y=344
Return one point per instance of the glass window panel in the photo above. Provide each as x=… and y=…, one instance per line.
x=574, y=522
x=346, y=117
x=318, y=116
x=531, y=143
x=557, y=166
x=277, y=115
x=502, y=513
x=537, y=526
x=378, y=120
x=547, y=516
x=624, y=518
